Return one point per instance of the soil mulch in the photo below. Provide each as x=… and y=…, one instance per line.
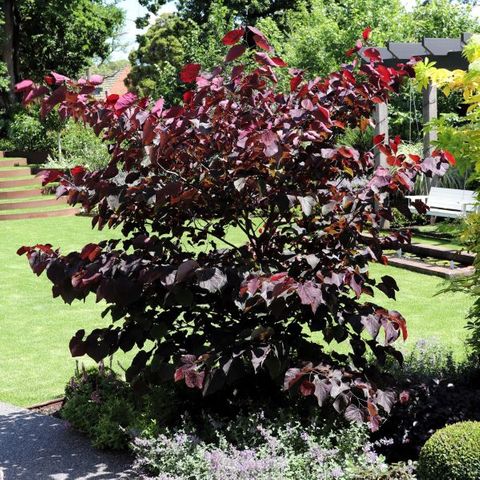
x=52, y=407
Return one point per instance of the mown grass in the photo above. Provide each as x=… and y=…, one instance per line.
x=35, y=328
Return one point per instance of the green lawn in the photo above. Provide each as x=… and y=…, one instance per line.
x=439, y=318
x=451, y=244
x=35, y=328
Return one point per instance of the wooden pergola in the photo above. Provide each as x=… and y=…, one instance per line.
x=446, y=52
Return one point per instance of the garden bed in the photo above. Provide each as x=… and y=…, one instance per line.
x=51, y=407
x=430, y=267
x=433, y=260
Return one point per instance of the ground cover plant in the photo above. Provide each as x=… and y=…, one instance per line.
x=258, y=447
x=230, y=320
x=100, y=404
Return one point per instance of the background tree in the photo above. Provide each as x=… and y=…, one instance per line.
x=44, y=35
x=72, y=33
x=39, y=36
x=170, y=43
x=442, y=18
x=158, y=58
x=199, y=11
x=312, y=35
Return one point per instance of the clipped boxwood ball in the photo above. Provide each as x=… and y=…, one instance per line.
x=452, y=453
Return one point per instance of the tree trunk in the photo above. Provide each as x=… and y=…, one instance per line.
x=10, y=45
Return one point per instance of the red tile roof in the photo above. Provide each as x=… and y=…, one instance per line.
x=114, y=83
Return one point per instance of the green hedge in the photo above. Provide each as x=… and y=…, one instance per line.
x=452, y=453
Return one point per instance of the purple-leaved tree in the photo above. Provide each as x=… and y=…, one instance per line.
x=239, y=155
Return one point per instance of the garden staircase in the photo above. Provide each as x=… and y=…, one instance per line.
x=21, y=193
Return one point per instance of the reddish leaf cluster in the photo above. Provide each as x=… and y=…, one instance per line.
x=239, y=155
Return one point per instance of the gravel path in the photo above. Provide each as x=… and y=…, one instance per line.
x=36, y=447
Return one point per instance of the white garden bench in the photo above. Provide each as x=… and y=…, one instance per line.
x=447, y=202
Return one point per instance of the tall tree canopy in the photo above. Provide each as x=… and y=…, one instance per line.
x=72, y=33
x=171, y=42
x=44, y=35
x=250, y=11
x=311, y=35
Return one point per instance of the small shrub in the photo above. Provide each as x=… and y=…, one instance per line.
x=401, y=221
x=102, y=406
x=6, y=144
x=452, y=452
x=27, y=132
x=79, y=145
x=426, y=360
x=435, y=391
x=115, y=416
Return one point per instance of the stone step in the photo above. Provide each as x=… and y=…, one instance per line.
x=24, y=182
x=47, y=202
x=16, y=172
x=21, y=194
x=65, y=212
x=12, y=162
x=35, y=209
x=428, y=269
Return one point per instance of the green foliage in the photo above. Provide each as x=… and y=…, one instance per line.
x=115, y=415
x=172, y=42
x=471, y=237
x=102, y=406
x=72, y=33
x=428, y=359
x=6, y=144
x=457, y=134
x=461, y=135
x=321, y=50
x=312, y=35
x=4, y=80
x=303, y=45
x=78, y=145
x=442, y=19
x=26, y=132
x=452, y=452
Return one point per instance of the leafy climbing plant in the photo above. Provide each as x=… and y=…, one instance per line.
x=461, y=136
x=239, y=155
x=458, y=134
